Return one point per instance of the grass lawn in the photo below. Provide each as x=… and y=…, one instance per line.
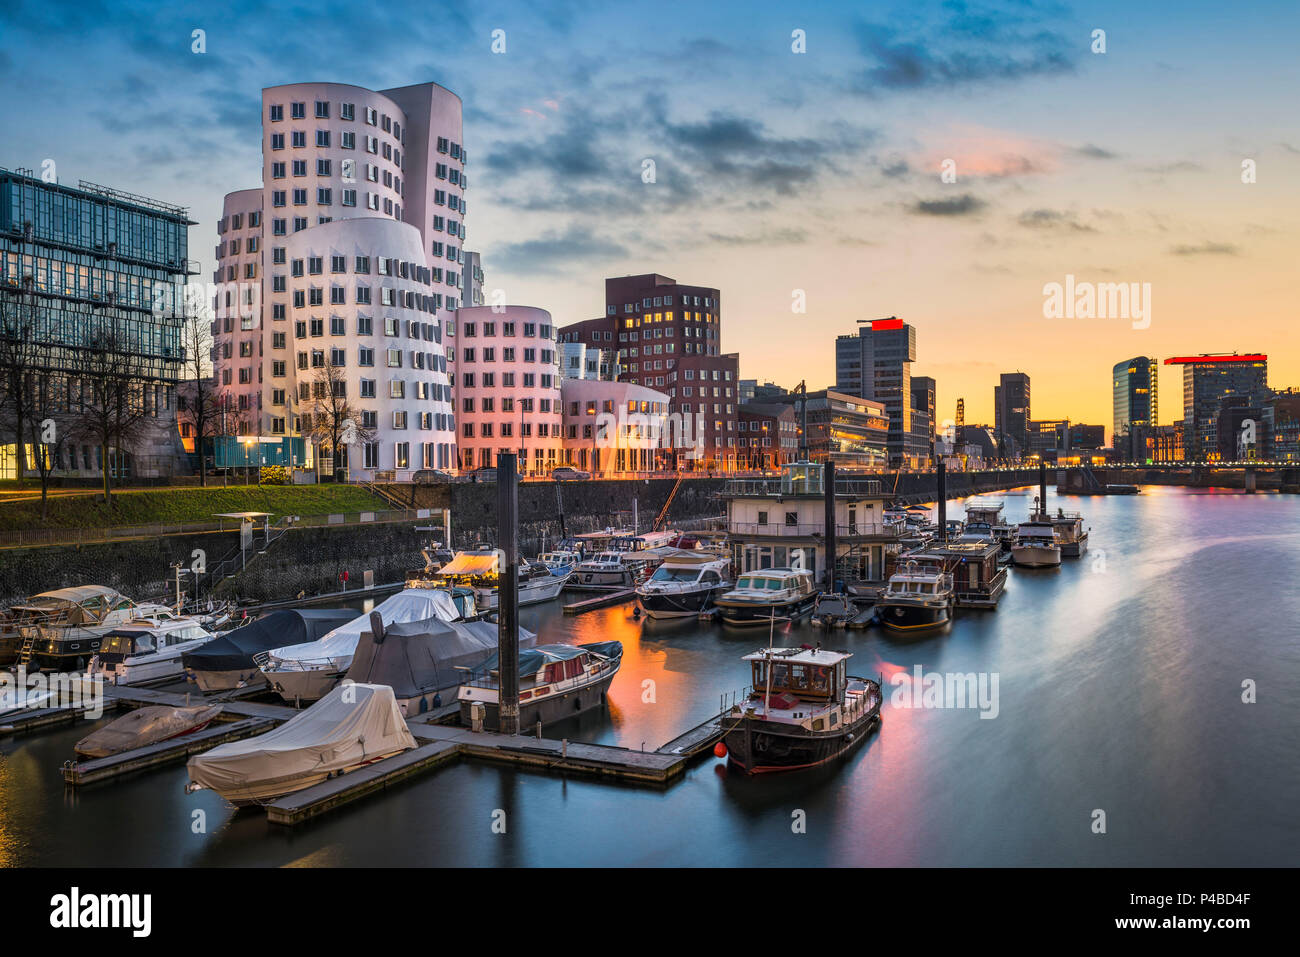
x=143, y=506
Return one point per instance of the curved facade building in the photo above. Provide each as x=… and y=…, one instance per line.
x=508, y=387
x=350, y=177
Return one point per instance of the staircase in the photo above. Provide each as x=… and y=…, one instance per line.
x=28, y=650
x=386, y=493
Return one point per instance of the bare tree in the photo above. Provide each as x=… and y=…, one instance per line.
x=334, y=422
x=20, y=358
x=111, y=402
x=202, y=409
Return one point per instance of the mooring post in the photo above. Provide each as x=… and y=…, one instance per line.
x=508, y=592
x=828, y=473
x=941, y=492
x=1042, y=488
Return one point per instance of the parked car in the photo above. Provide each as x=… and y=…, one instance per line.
x=566, y=474
x=430, y=476
x=484, y=473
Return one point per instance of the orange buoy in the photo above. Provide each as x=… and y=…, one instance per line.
x=719, y=750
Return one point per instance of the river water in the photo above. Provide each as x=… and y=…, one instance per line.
x=1120, y=685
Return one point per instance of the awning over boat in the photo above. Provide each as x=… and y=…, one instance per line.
x=468, y=563
x=235, y=649
x=79, y=594
x=350, y=724
x=409, y=604
x=419, y=657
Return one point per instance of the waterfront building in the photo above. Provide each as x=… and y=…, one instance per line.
x=473, y=273
x=1011, y=409
x=876, y=364
x=851, y=431
x=92, y=271
x=668, y=337
x=769, y=434
x=1167, y=442
x=1282, y=418
x=1136, y=406
x=508, y=387
x=781, y=522
x=342, y=272
x=1047, y=437
x=1087, y=436
x=613, y=428
x=923, y=412
x=581, y=361
x=1207, y=380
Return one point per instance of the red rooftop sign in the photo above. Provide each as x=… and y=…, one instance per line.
x=1189, y=360
x=886, y=324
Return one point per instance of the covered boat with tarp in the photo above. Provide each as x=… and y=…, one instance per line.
x=306, y=672
x=226, y=662
x=425, y=661
x=352, y=726
x=555, y=682
x=145, y=726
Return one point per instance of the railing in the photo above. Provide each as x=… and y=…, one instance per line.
x=779, y=529
x=780, y=486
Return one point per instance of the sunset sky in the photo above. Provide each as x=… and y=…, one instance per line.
x=775, y=171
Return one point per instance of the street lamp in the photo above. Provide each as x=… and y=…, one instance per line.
x=248, y=452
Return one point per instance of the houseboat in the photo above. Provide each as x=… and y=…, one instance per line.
x=768, y=595
x=60, y=630
x=781, y=522
x=804, y=711
x=1037, y=545
x=555, y=682
x=1072, y=535
x=684, y=585
x=918, y=597
x=984, y=518
x=978, y=576
x=146, y=650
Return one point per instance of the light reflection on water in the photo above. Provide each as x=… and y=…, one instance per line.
x=1120, y=681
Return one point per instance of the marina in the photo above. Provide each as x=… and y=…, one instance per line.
x=620, y=742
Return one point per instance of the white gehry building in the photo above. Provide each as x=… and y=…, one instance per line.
x=350, y=254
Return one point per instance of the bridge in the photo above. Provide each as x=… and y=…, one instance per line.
x=1247, y=476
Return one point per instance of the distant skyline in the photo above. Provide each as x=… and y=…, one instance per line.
x=775, y=171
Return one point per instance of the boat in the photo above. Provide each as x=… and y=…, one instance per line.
x=768, y=594
x=226, y=662
x=559, y=562
x=145, y=726
x=604, y=571
x=917, y=597
x=684, y=585
x=1037, y=545
x=480, y=570
x=1117, y=489
x=353, y=726
x=146, y=650
x=60, y=630
x=984, y=519
x=306, y=672
x=833, y=611
x=804, y=711
x=975, y=567
x=555, y=682
x=1072, y=535
x=424, y=662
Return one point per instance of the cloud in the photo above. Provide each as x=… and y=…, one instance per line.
x=1206, y=249
x=575, y=247
x=963, y=205
x=1094, y=152
x=1053, y=219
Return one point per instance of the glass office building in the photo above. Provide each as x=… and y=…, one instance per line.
x=1135, y=403
x=88, y=262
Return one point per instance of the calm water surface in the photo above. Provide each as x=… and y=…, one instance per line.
x=1120, y=683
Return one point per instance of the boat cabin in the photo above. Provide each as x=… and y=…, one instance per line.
x=804, y=674
x=978, y=578
x=143, y=637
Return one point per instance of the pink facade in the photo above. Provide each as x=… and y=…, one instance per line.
x=613, y=428
x=507, y=387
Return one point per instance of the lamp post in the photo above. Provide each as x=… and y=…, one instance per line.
x=248, y=452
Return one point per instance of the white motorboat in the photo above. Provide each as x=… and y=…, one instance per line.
x=1071, y=533
x=766, y=595
x=354, y=725
x=59, y=630
x=480, y=570
x=917, y=597
x=1037, y=545
x=306, y=672
x=684, y=585
x=559, y=562
x=604, y=571
x=146, y=650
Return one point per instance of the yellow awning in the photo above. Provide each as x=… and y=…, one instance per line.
x=465, y=564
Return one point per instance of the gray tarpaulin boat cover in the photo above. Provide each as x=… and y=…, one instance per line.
x=235, y=649
x=418, y=657
x=535, y=659
x=351, y=724
x=336, y=648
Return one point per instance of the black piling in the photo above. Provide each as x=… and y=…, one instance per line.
x=941, y=491
x=828, y=474
x=508, y=592
x=1042, y=488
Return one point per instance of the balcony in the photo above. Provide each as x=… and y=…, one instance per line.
x=785, y=486
x=891, y=530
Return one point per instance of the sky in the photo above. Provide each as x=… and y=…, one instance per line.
x=940, y=162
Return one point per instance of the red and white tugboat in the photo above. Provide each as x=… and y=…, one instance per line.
x=805, y=710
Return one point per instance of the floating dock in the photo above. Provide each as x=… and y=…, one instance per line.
x=81, y=773
x=600, y=601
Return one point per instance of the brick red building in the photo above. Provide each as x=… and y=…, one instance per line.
x=668, y=337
